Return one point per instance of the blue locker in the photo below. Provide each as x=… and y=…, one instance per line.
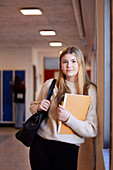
x=7, y=95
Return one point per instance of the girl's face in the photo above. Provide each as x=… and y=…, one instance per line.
x=69, y=66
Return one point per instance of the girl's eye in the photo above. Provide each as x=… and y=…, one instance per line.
x=64, y=61
x=74, y=61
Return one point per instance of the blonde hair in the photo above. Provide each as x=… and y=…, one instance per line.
x=83, y=78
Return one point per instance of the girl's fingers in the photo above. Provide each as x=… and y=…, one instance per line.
x=44, y=105
x=43, y=108
x=62, y=113
x=47, y=101
x=61, y=107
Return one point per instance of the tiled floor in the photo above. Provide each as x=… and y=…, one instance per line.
x=13, y=154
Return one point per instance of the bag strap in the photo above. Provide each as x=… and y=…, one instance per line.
x=51, y=89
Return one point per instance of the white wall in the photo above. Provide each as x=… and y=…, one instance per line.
x=38, y=61
x=19, y=58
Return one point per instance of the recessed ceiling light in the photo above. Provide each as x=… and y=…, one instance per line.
x=31, y=11
x=47, y=32
x=55, y=44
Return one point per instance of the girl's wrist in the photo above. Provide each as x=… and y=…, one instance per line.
x=67, y=119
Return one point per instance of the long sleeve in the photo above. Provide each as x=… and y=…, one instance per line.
x=43, y=92
x=87, y=128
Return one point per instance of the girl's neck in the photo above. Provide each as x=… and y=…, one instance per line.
x=72, y=79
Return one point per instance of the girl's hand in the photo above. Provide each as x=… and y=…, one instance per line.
x=63, y=114
x=44, y=105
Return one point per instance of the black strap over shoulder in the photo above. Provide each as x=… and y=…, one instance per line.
x=51, y=89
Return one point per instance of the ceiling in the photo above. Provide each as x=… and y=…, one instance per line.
x=73, y=21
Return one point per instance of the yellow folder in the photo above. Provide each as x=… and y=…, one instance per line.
x=78, y=106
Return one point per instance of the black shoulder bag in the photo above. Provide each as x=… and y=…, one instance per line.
x=27, y=134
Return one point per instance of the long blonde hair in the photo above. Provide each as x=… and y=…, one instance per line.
x=83, y=78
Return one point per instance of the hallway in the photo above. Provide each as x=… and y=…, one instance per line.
x=13, y=154
x=85, y=24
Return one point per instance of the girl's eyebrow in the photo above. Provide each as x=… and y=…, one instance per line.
x=71, y=59
x=64, y=60
x=74, y=59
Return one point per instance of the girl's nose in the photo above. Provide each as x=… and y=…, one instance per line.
x=68, y=64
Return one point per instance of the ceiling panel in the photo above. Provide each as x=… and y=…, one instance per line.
x=19, y=30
